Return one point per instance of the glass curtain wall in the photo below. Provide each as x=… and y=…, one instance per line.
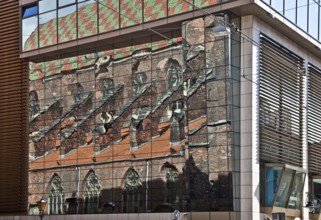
x=304, y=13
x=49, y=22
x=146, y=120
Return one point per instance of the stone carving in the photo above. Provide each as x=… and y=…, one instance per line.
x=92, y=187
x=132, y=182
x=103, y=120
x=139, y=81
x=102, y=64
x=171, y=178
x=77, y=90
x=56, y=186
x=34, y=107
x=174, y=73
x=56, y=196
x=177, y=125
x=107, y=87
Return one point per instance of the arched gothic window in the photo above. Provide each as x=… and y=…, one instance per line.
x=56, y=196
x=132, y=191
x=171, y=179
x=92, y=193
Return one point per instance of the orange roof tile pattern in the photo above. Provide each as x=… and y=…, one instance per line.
x=158, y=147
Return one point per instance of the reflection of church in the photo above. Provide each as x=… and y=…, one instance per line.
x=145, y=132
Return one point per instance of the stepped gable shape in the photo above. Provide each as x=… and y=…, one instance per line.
x=50, y=110
x=128, y=104
x=45, y=110
x=93, y=111
x=41, y=134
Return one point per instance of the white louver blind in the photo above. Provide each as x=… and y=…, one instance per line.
x=281, y=101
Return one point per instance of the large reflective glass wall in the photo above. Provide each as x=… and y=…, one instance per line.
x=57, y=21
x=304, y=13
x=147, y=128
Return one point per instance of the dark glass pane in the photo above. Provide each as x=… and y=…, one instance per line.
x=30, y=11
x=282, y=195
x=272, y=176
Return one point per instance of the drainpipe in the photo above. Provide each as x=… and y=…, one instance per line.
x=146, y=181
x=78, y=186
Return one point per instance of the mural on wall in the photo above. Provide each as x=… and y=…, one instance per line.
x=139, y=129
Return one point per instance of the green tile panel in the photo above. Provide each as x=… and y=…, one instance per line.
x=48, y=33
x=131, y=12
x=108, y=15
x=49, y=68
x=67, y=28
x=178, y=7
x=154, y=9
x=87, y=20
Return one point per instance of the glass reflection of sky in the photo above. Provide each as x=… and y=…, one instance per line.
x=66, y=11
x=47, y=5
x=44, y=18
x=66, y=2
x=28, y=26
x=30, y=11
x=85, y=3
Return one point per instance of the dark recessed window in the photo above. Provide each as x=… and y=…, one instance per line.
x=29, y=11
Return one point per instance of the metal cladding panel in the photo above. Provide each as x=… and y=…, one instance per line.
x=13, y=114
x=281, y=104
x=314, y=111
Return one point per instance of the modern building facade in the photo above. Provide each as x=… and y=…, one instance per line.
x=206, y=107
x=13, y=114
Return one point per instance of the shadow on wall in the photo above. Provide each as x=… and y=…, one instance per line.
x=174, y=191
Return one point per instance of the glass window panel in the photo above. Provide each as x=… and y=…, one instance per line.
x=131, y=12
x=108, y=15
x=272, y=176
x=284, y=188
x=66, y=2
x=296, y=191
x=178, y=6
x=302, y=16
x=29, y=33
x=48, y=29
x=30, y=11
x=154, y=9
x=290, y=10
x=67, y=25
x=313, y=23
x=47, y=5
x=87, y=18
x=277, y=5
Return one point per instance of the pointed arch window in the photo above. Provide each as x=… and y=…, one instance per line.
x=171, y=179
x=56, y=196
x=92, y=193
x=132, y=192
